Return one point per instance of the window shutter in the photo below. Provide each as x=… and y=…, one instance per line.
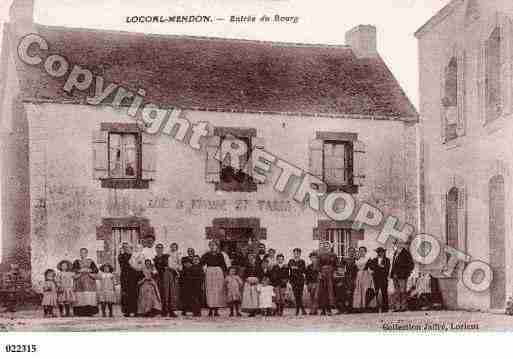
x=100, y=155
x=481, y=80
x=443, y=73
x=462, y=218
x=356, y=237
x=315, y=158
x=443, y=217
x=213, y=166
x=149, y=154
x=506, y=78
x=258, y=143
x=462, y=96
x=359, y=156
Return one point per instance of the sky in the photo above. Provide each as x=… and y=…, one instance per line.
x=320, y=21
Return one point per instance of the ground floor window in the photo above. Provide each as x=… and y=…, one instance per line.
x=340, y=239
x=121, y=235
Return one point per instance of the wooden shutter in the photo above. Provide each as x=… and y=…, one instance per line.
x=213, y=166
x=462, y=96
x=315, y=158
x=462, y=218
x=481, y=80
x=258, y=143
x=506, y=76
x=443, y=217
x=149, y=153
x=100, y=154
x=359, y=157
x=443, y=124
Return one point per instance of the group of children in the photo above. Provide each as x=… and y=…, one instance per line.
x=59, y=289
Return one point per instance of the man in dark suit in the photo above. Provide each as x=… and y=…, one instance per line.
x=402, y=266
x=380, y=267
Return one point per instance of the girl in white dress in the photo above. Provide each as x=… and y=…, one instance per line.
x=265, y=297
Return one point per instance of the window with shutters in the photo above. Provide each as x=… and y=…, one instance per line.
x=337, y=159
x=229, y=154
x=493, y=95
x=123, y=156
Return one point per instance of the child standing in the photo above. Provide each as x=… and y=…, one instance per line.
x=312, y=282
x=49, y=293
x=65, y=292
x=265, y=297
x=297, y=279
x=280, y=278
x=233, y=285
x=106, y=292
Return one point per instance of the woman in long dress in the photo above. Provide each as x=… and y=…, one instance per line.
x=215, y=265
x=252, y=274
x=85, y=285
x=363, y=282
x=149, y=303
x=167, y=280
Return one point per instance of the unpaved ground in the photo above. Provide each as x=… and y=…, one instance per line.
x=417, y=321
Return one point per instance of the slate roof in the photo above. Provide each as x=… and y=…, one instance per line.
x=226, y=74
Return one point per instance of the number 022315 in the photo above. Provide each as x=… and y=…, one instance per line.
x=20, y=348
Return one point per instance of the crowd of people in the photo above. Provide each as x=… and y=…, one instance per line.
x=256, y=283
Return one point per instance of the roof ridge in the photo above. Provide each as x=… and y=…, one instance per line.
x=195, y=37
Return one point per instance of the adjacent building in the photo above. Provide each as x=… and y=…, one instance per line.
x=466, y=107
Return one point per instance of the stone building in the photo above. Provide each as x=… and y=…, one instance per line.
x=466, y=107
x=81, y=175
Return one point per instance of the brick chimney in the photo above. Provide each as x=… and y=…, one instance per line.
x=362, y=39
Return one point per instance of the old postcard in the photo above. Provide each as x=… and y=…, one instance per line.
x=270, y=165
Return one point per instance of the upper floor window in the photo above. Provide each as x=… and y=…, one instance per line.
x=493, y=76
x=337, y=158
x=229, y=153
x=123, y=156
x=450, y=100
x=337, y=163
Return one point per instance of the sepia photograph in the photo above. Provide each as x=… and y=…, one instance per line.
x=255, y=166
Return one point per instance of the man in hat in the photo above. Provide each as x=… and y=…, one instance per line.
x=402, y=266
x=380, y=267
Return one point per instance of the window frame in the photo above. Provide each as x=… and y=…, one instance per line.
x=348, y=139
x=249, y=185
x=136, y=182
